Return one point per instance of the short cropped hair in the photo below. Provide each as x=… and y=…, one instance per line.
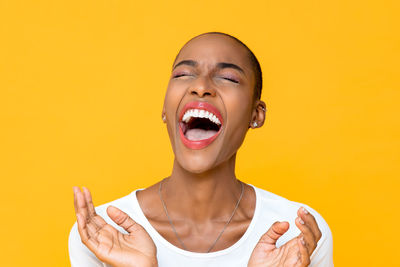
x=253, y=59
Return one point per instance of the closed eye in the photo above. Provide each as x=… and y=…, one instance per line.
x=230, y=79
x=181, y=75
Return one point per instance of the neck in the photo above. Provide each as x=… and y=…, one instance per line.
x=202, y=196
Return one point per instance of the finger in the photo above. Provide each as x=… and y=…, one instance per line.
x=309, y=219
x=81, y=204
x=82, y=227
x=90, y=212
x=123, y=219
x=303, y=253
x=83, y=210
x=274, y=233
x=89, y=202
x=307, y=234
x=83, y=232
x=75, y=189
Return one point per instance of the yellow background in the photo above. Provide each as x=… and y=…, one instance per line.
x=81, y=91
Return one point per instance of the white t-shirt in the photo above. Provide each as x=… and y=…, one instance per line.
x=269, y=209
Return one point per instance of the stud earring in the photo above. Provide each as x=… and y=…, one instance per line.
x=164, y=118
x=255, y=124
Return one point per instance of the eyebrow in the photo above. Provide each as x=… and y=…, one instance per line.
x=224, y=65
x=220, y=65
x=191, y=63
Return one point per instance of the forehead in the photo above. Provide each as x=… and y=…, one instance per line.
x=210, y=49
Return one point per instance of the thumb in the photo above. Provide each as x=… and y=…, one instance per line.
x=274, y=233
x=122, y=219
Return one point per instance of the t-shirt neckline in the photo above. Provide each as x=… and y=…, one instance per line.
x=153, y=232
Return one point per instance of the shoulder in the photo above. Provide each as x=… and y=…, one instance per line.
x=125, y=203
x=277, y=208
x=283, y=208
x=79, y=254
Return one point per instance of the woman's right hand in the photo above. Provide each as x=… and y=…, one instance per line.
x=108, y=244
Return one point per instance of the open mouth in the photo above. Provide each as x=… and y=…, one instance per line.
x=199, y=125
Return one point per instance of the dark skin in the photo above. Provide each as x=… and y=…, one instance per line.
x=203, y=178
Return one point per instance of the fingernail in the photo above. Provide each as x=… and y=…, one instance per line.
x=302, y=241
x=305, y=211
x=301, y=221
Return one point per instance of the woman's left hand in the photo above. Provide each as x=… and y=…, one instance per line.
x=296, y=252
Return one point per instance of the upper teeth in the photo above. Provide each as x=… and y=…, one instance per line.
x=200, y=113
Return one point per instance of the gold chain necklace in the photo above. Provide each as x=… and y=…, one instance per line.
x=173, y=227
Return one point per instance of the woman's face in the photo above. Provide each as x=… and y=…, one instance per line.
x=209, y=103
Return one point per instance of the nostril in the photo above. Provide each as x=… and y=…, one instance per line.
x=202, y=92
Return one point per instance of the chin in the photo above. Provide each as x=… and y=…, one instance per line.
x=196, y=163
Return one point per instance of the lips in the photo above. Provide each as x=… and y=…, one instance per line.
x=202, y=143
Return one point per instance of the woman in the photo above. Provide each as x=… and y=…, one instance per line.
x=201, y=215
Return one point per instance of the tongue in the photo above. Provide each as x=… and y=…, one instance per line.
x=199, y=134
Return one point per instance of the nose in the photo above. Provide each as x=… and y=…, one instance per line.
x=202, y=88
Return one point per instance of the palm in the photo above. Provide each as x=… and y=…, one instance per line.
x=269, y=255
x=120, y=249
x=108, y=244
x=266, y=254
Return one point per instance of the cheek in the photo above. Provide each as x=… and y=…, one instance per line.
x=238, y=108
x=173, y=97
x=172, y=100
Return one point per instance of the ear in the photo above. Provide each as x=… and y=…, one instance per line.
x=258, y=114
x=163, y=116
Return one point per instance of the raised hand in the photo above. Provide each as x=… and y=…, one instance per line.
x=296, y=252
x=108, y=244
